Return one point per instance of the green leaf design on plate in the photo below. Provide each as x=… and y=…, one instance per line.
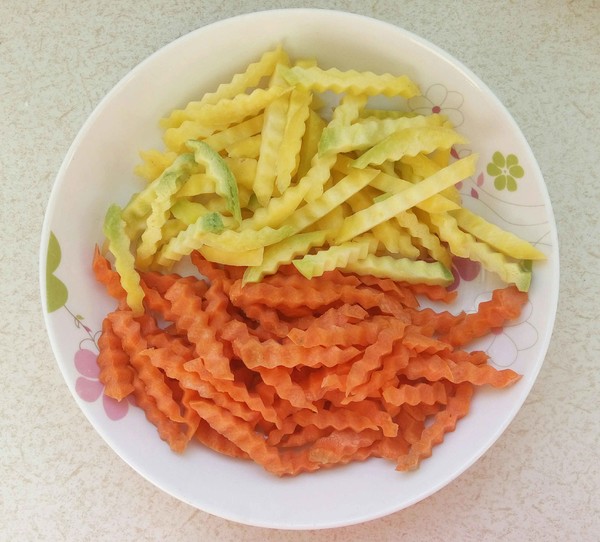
x=505, y=170
x=56, y=291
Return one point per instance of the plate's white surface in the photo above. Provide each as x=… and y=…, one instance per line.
x=98, y=171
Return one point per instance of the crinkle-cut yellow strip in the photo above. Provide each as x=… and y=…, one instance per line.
x=243, y=169
x=465, y=245
x=136, y=211
x=384, y=210
x=393, y=184
x=332, y=221
x=283, y=253
x=250, y=77
x=252, y=257
x=388, y=233
x=496, y=237
x=364, y=134
x=310, y=142
x=221, y=139
x=334, y=257
x=409, y=141
x=289, y=149
x=334, y=196
x=232, y=111
x=420, y=232
x=154, y=162
x=428, y=393
x=197, y=184
x=424, y=165
x=245, y=148
x=386, y=113
x=196, y=236
x=351, y=81
x=271, y=136
x=119, y=245
x=402, y=269
x=175, y=139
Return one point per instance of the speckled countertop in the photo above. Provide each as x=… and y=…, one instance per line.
x=60, y=481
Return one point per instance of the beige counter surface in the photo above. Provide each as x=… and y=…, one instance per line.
x=60, y=481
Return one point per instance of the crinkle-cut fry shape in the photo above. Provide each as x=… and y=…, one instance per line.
x=391, y=364
x=505, y=305
x=418, y=342
x=372, y=356
x=120, y=246
x=384, y=210
x=423, y=392
x=196, y=236
x=253, y=257
x=175, y=138
x=302, y=436
x=245, y=148
x=435, y=322
x=425, y=238
x=496, y=237
x=375, y=411
x=336, y=418
x=445, y=421
x=480, y=375
x=134, y=344
x=341, y=446
x=241, y=433
x=205, y=267
x=282, y=253
x=333, y=257
x=289, y=148
x=249, y=78
x=109, y=278
x=268, y=319
x=236, y=133
x=330, y=334
x=270, y=353
x=434, y=292
x=364, y=134
x=281, y=379
x=430, y=367
x=476, y=357
x=116, y=373
x=154, y=162
x=409, y=142
x=390, y=447
x=193, y=320
x=401, y=269
x=350, y=81
x=392, y=289
x=173, y=433
x=331, y=198
x=212, y=439
x=314, y=127
x=272, y=134
x=234, y=110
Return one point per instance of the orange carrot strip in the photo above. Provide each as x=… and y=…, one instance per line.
x=392, y=288
x=280, y=378
x=106, y=276
x=415, y=340
x=435, y=322
x=433, y=292
x=431, y=367
x=415, y=394
x=212, y=439
x=335, y=447
x=505, y=304
x=304, y=435
x=482, y=374
x=116, y=372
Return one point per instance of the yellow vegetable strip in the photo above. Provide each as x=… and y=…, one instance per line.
x=154, y=162
x=409, y=141
x=384, y=210
x=310, y=142
x=175, y=139
x=351, y=81
x=283, y=253
x=496, y=237
x=119, y=245
x=250, y=257
x=402, y=269
x=221, y=139
x=243, y=169
x=245, y=148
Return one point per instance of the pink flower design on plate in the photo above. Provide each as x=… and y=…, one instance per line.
x=463, y=269
x=89, y=388
x=438, y=99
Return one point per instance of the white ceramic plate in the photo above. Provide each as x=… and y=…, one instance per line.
x=98, y=171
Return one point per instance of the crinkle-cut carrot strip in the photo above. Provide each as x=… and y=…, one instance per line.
x=212, y=439
x=268, y=319
x=373, y=410
x=241, y=433
x=443, y=422
x=327, y=334
x=116, y=372
x=173, y=433
x=337, y=418
x=156, y=303
x=409, y=427
x=393, y=288
x=435, y=322
x=134, y=344
x=236, y=390
x=477, y=357
x=416, y=341
x=391, y=447
x=217, y=304
x=192, y=420
x=286, y=428
x=391, y=364
x=434, y=292
x=303, y=435
x=271, y=354
x=338, y=445
x=416, y=394
x=209, y=269
x=372, y=356
x=430, y=367
x=505, y=304
x=480, y=375
x=109, y=278
x=160, y=282
x=194, y=321
x=280, y=378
